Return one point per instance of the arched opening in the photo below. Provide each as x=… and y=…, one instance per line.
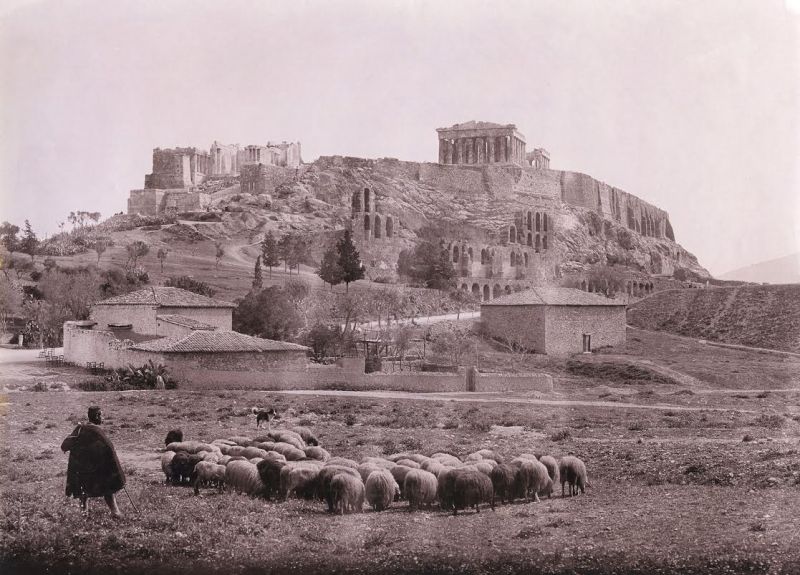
x=476, y=290
x=538, y=222
x=544, y=222
x=628, y=288
x=538, y=245
x=513, y=259
x=455, y=254
x=486, y=296
x=367, y=224
x=366, y=200
x=356, y=201
x=484, y=257
x=512, y=234
x=496, y=291
x=389, y=227
x=508, y=289
x=591, y=287
x=530, y=239
x=583, y=285
x=469, y=251
x=529, y=221
x=377, y=227
x=527, y=261
x=464, y=287
x=517, y=288
x=544, y=242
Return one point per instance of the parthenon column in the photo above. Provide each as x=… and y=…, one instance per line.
x=460, y=150
x=490, y=150
x=441, y=151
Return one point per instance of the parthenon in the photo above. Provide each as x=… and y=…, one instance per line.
x=481, y=143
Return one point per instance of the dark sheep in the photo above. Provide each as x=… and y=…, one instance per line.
x=531, y=479
x=270, y=472
x=573, y=472
x=173, y=436
x=503, y=478
x=298, y=479
x=445, y=489
x=399, y=472
x=306, y=435
x=552, y=468
x=182, y=466
x=471, y=488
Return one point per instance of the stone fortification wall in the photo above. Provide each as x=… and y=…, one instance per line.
x=456, y=179
x=154, y=202
x=264, y=179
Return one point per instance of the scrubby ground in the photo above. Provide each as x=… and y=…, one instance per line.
x=671, y=490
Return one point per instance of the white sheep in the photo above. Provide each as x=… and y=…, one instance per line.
x=420, y=488
x=243, y=477
x=381, y=489
x=573, y=471
x=208, y=473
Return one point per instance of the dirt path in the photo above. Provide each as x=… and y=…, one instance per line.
x=502, y=398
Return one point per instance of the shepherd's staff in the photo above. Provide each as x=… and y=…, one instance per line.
x=130, y=499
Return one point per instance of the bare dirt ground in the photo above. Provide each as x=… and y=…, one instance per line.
x=699, y=478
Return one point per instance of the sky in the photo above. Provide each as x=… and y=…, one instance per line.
x=694, y=106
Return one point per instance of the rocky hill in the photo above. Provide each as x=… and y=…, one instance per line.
x=491, y=209
x=759, y=316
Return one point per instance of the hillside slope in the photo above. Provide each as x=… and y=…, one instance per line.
x=759, y=316
x=778, y=271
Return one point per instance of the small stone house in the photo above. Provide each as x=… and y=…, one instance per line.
x=555, y=321
x=191, y=334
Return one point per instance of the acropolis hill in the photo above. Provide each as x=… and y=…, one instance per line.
x=508, y=219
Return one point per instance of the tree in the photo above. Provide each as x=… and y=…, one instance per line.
x=258, y=282
x=402, y=341
x=8, y=236
x=429, y=263
x=136, y=249
x=349, y=260
x=100, y=246
x=269, y=252
x=453, y=342
x=219, y=254
x=192, y=285
x=405, y=263
x=293, y=250
x=322, y=339
x=161, y=255
x=329, y=270
x=462, y=298
x=29, y=241
x=267, y=313
x=606, y=280
x=10, y=302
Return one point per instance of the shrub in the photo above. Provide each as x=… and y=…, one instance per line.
x=192, y=285
x=148, y=376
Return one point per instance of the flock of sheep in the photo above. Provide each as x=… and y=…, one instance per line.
x=283, y=463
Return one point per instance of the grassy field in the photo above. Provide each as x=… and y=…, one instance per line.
x=684, y=477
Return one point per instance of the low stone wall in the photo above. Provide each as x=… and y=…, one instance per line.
x=332, y=377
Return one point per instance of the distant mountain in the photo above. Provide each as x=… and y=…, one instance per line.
x=785, y=270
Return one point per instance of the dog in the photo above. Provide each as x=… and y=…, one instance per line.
x=264, y=415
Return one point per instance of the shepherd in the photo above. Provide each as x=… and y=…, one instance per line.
x=93, y=469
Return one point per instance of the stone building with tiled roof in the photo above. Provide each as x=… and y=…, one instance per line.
x=555, y=321
x=191, y=334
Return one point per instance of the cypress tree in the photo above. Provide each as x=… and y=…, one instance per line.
x=349, y=260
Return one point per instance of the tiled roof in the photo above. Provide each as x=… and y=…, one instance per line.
x=165, y=297
x=555, y=296
x=217, y=341
x=184, y=321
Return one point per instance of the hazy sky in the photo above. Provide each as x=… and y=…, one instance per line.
x=693, y=106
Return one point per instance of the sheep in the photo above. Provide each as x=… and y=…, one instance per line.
x=473, y=457
x=396, y=456
x=341, y=461
x=290, y=437
x=503, y=477
x=241, y=440
x=191, y=446
x=317, y=453
x=306, y=435
x=470, y=489
x=445, y=488
x=325, y=477
x=221, y=442
x=488, y=454
x=166, y=465
x=433, y=466
x=275, y=455
x=265, y=445
x=182, y=466
x=243, y=476
x=208, y=473
x=408, y=463
x=419, y=487
x=212, y=456
x=380, y=462
x=347, y=494
x=224, y=460
x=552, y=468
x=531, y=479
x=365, y=469
x=251, y=452
x=381, y=489
x=299, y=479
x=174, y=436
x=447, y=459
x=399, y=472
x=290, y=452
x=415, y=457
x=233, y=451
x=269, y=470
x=255, y=460
x=573, y=471
x=485, y=466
